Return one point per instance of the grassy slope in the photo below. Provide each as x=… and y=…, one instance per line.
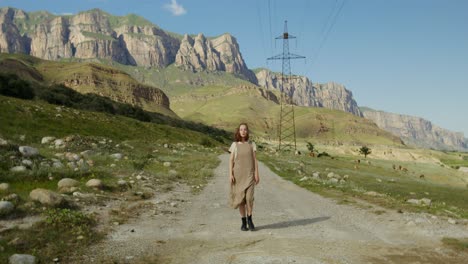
x=248, y=106
x=49, y=72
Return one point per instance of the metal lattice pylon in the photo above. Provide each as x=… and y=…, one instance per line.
x=287, y=126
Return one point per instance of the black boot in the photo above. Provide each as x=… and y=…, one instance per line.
x=251, y=225
x=244, y=224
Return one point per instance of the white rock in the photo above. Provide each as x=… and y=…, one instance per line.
x=58, y=142
x=6, y=207
x=316, y=174
x=379, y=180
x=112, y=165
x=414, y=201
x=4, y=187
x=28, y=151
x=47, y=140
x=371, y=193
x=333, y=180
x=173, y=173
x=18, y=169
x=346, y=177
x=117, y=156
x=330, y=175
x=426, y=201
x=305, y=178
x=452, y=221
x=67, y=182
x=3, y=142
x=138, y=177
x=27, y=162
x=57, y=164
x=122, y=183
x=46, y=197
x=95, y=183
x=167, y=164
x=22, y=259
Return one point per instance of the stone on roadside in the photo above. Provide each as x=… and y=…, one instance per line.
x=6, y=207
x=173, y=173
x=305, y=178
x=18, y=169
x=47, y=140
x=22, y=259
x=414, y=201
x=46, y=197
x=452, y=221
x=27, y=162
x=117, y=156
x=426, y=201
x=95, y=183
x=67, y=182
x=28, y=151
x=4, y=187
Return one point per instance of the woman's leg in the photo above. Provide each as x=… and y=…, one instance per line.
x=242, y=209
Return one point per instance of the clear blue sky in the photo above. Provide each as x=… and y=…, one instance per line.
x=401, y=56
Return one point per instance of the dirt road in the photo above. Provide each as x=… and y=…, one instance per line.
x=294, y=226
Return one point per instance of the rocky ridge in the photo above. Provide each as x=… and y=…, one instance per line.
x=417, y=131
x=129, y=40
x=305, y=93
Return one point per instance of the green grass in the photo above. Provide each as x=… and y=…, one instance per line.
x=460, y=244
x=447, y=191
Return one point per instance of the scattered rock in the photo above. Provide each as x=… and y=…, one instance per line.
x=122, y=183
x=18, y=169
x=414, y=201
x=167, y=164
x=372, y=193
x=87, y=153
x=46, y=197
x=4, y=187
x=95, y=183
x=333, y=180
x=173, y=173
x=379, y=180
x=117, y=156
x=330, y=175
x=426, y=201
x=58, y=142
x=305, y=178
x=28, y=151
x=14, y=198
x=22, y=259
x=47, y=140
x=452, y=221
x=346, y=177
x=6, y=207
x=3, y=142
x=57, y=164
x=27, y=162
x=67, y=182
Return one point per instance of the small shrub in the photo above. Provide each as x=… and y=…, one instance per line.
x=324, y=154
x=66, y=219
x=206, y=142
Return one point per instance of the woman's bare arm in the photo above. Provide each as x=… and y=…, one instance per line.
x=257, y=176
x=231, y=166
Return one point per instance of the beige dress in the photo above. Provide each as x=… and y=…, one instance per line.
x=242, y=191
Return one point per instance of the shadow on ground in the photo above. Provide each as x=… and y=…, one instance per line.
x=300, y=222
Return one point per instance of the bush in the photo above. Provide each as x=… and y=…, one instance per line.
x=11, y=85
x=206, y=142
x=66, y=219
x=324, y=154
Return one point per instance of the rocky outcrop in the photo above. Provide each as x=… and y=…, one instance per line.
x=417, y=131
x=218, y=54
x=116, y=85
x=305, y=93
x=87, y=35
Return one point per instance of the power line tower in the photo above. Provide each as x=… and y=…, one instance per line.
x=287, y=126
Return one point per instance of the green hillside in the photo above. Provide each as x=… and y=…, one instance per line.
x=226, y=108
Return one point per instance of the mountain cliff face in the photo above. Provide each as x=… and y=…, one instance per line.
x=129, y=40
x=218, y=54
x=305, y=93
x=417, y=131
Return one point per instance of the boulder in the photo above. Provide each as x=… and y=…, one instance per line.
x=28, y=151
x=117, y=156
x=22, y=259
x=67, y=182
x=47, y=140
x=46, y=197
x=6, y=207
x=95, y=183
x=18, y=169
x=4, y=187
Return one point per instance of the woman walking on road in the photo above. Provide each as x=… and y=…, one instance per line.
x=243, y=175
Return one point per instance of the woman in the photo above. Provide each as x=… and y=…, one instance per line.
x=243, y=175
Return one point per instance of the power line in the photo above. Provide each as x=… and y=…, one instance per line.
x=324, y=39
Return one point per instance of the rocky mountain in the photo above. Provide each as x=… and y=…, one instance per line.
x=305, y=93
x=217, y=54
x=417, y=131
x=129, y=40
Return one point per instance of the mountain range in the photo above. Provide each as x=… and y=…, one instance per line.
x=147, y=52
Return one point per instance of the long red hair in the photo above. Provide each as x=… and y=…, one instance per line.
x=237, y=136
